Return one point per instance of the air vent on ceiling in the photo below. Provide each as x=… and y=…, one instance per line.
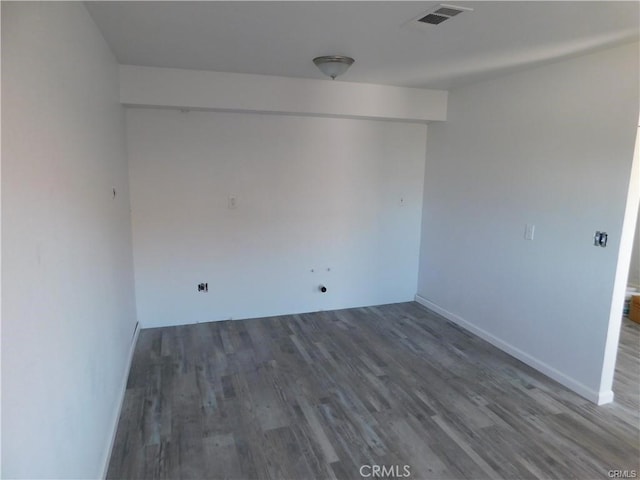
x=433, y=19
x=441, y=13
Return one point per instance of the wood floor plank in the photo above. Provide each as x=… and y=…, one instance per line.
x=221, y=456
x=322, y=395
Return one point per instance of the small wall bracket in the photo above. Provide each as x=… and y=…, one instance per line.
x=600, y=239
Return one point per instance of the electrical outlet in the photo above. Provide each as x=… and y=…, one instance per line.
x=529, y=231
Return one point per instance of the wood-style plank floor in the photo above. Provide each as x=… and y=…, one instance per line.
x=330, y=395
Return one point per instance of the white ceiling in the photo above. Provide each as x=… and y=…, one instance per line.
x=281, y=38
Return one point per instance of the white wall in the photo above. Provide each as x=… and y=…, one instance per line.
x=68, y=311
x=312, y=193
x=550, y=146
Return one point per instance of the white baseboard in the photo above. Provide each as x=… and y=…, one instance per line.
x=123, y=390
x=599, y=398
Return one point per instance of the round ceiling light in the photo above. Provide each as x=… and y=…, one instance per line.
x=333, y=65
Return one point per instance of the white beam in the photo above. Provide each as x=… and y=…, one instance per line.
x=177, y=88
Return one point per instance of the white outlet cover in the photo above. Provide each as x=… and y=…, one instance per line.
x=529, y=231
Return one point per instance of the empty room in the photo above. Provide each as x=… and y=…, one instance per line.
x=320, y=240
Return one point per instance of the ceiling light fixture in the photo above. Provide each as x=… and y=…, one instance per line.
x=333, y=65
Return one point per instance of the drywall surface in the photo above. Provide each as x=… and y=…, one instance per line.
x=68, y=310
x=550, y=147
x=172, y=87
x=340, y=197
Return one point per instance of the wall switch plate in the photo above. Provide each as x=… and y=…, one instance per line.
x=232, y=202
x=529, y=231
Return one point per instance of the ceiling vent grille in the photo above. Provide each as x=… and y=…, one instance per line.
x=433, y=19
x=440, y=14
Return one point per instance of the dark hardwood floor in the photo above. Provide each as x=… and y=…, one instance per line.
x=335, y=394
